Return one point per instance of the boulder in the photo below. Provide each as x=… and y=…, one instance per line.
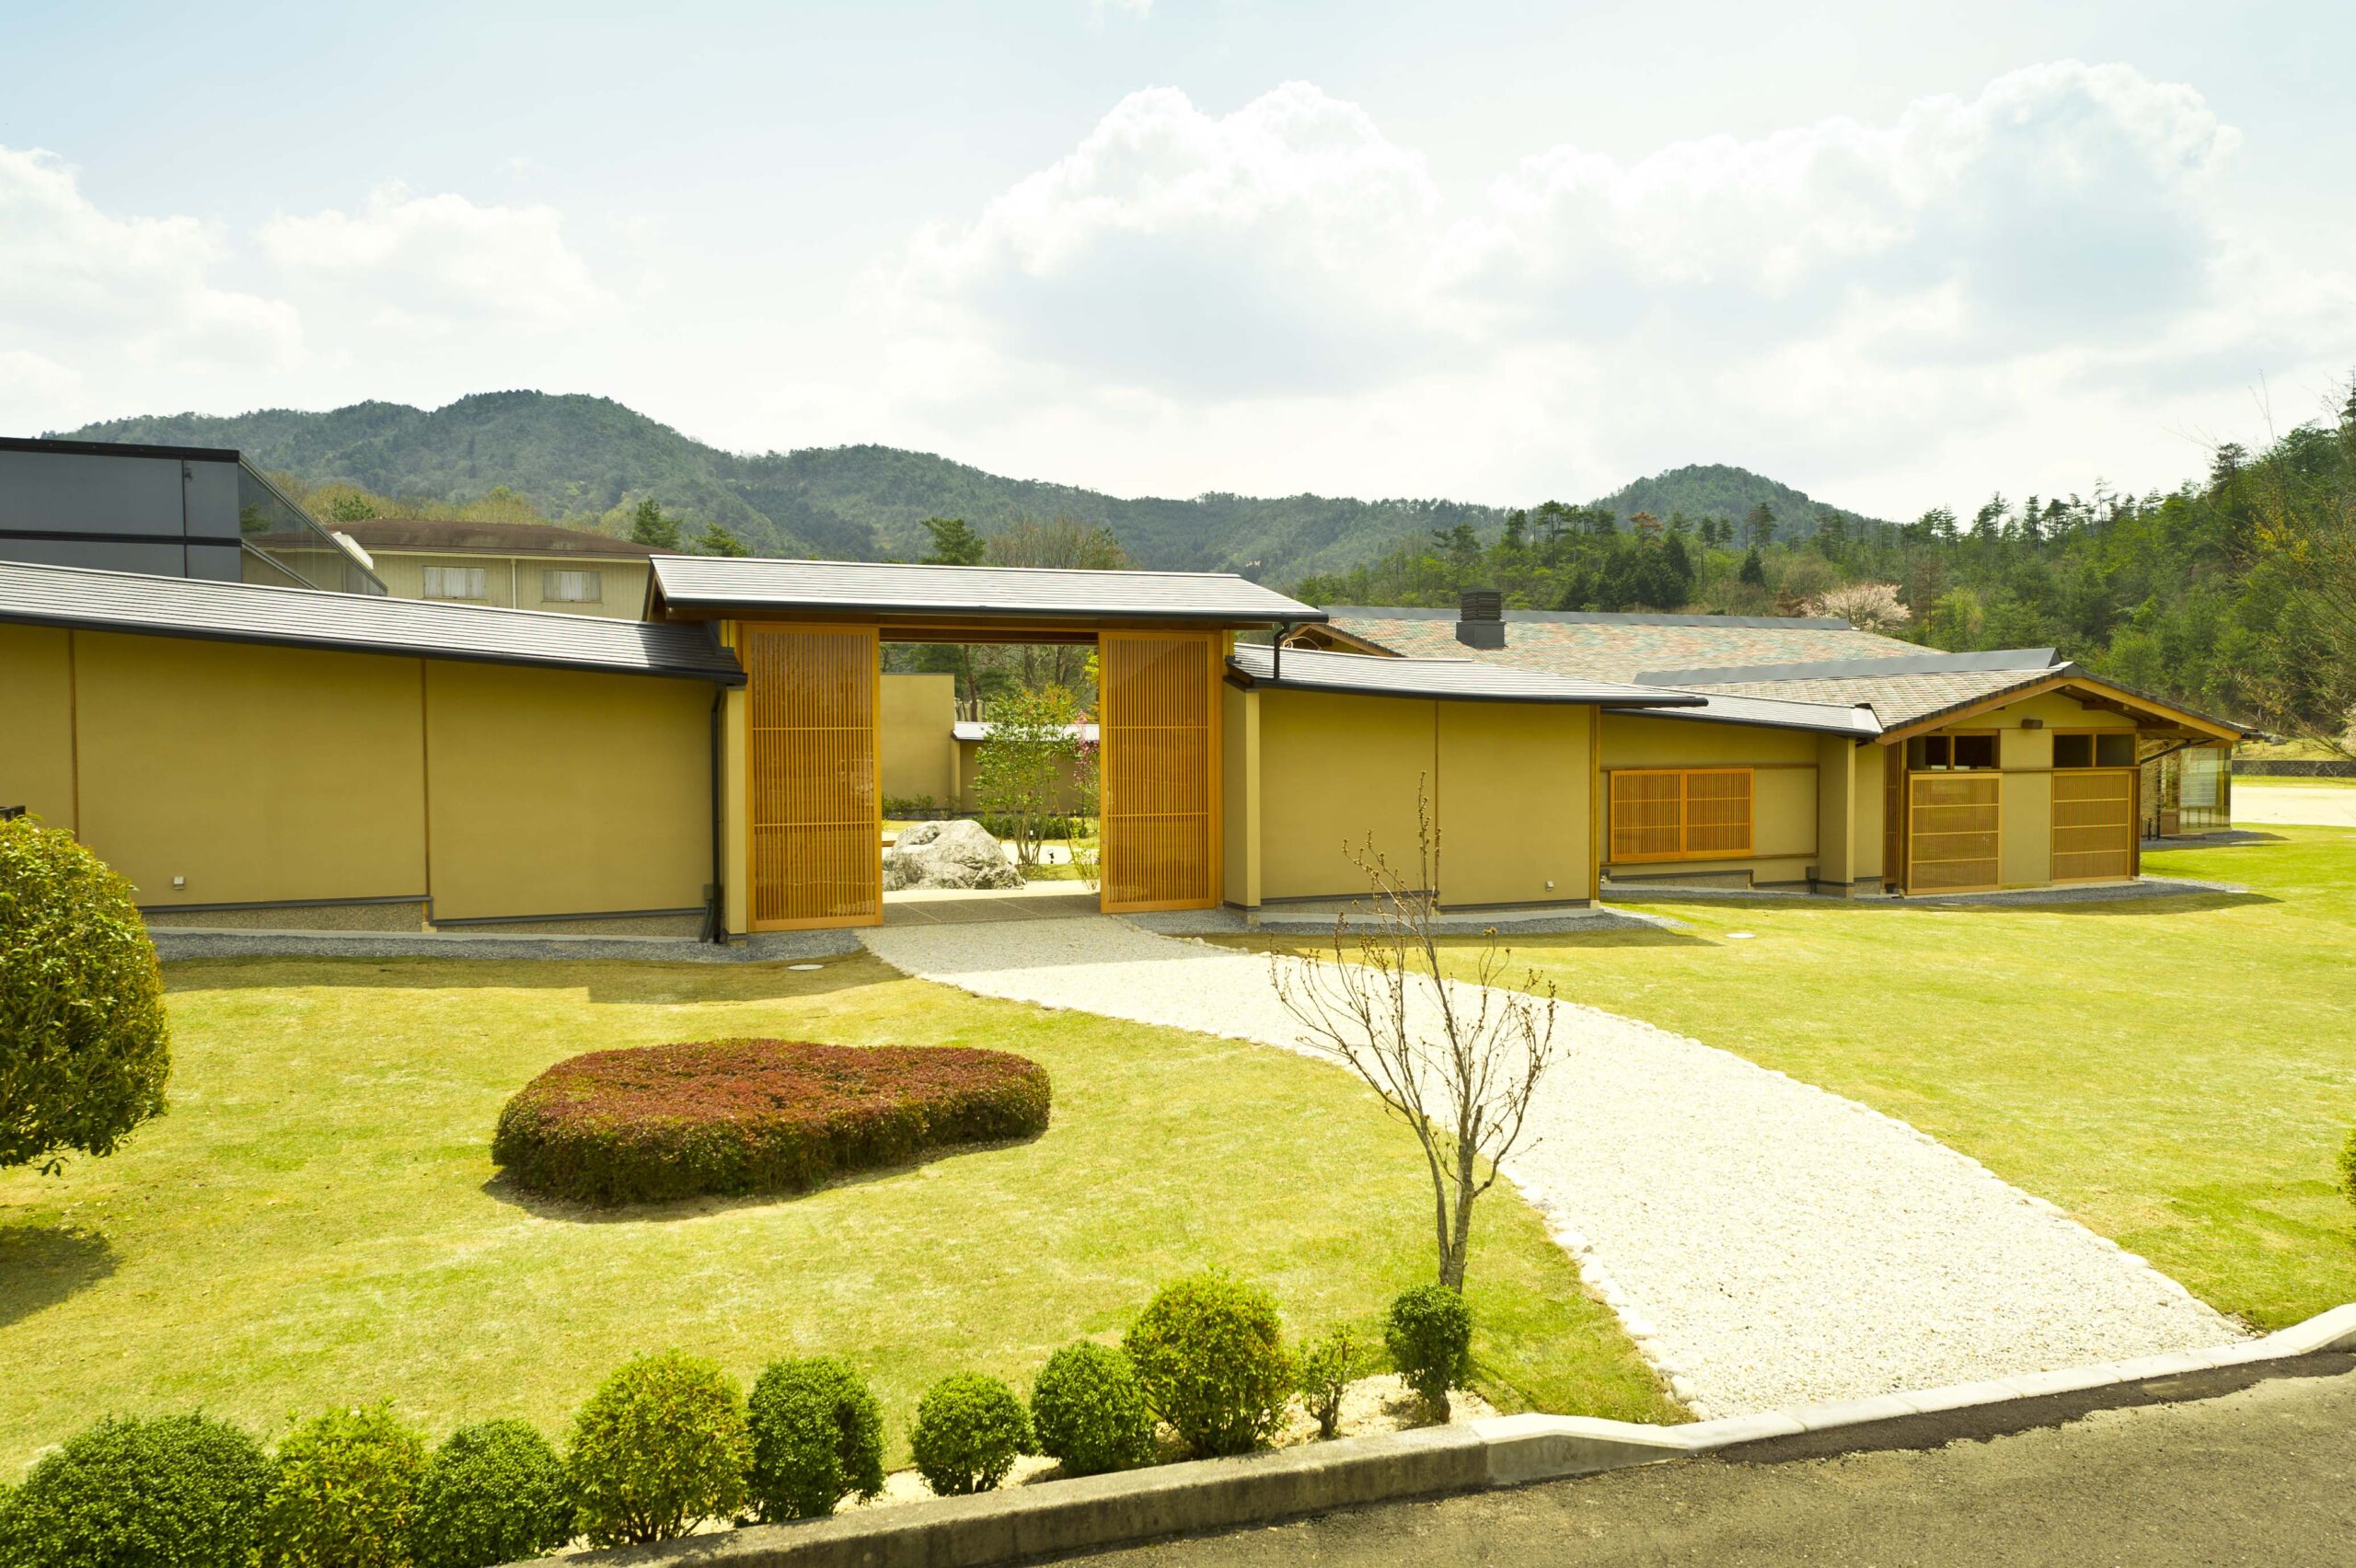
x=948, y=854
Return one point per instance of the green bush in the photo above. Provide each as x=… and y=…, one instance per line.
x=181, y=1491
x=1429, y=1335
x=660, y=1447
x=1088, y=1411
x=2347, y=1166
x=1327, y=1365
x=817, y=1433
x=493, y=1493
x=345, y=1487
x=969, y=1428
x=659, y=1122
x=1209, y=1353
x=84, y=1047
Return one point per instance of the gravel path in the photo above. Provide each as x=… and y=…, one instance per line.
x=1767, y=1243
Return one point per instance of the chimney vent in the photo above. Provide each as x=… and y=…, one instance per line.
x=1481, y=619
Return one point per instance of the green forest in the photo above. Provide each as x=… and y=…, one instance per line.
x=2234, y=593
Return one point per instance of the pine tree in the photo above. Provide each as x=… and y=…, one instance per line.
x=1754, y=571
x=1761, y=526
x=954, y=543
x=716, y=540
x=648, y=526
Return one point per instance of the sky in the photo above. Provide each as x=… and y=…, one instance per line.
x=1896, y=256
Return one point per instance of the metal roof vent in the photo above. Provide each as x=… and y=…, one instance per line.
x=1481, y=619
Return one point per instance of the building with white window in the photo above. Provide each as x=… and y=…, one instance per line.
x=514, y=566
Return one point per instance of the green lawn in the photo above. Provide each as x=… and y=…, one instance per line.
x=315, y=1221
x=2178, y=1073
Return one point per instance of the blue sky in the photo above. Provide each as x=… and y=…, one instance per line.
x=1898, y=255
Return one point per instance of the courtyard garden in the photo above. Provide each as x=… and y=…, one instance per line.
x=2176, y=1073
x=317, y=1223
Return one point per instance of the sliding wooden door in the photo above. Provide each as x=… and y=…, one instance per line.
x=1954, y=832
x=2095, y=825
x=1159, y=693
x=814, y=794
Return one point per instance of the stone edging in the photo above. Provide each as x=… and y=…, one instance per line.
x=1103, y=1511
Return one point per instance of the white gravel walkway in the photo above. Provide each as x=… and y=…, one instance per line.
x=1767, y=1243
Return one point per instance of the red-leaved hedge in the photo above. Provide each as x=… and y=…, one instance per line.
x=734, y=1116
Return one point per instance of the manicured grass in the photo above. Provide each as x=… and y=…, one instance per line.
x=2178, y=1073
x=316, y=1222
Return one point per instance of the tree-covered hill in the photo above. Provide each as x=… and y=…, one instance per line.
x=1705, y=489
x=588, y=460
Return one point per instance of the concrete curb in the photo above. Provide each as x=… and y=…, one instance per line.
x=1103, y=1511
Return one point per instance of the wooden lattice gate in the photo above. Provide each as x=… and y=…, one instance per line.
x=1953, y=832
x=813, y=793
x=2094, y=823
x=1159, y=696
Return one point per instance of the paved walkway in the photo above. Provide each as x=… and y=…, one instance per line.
x=1769, y=1244
x=2316, y=805
x=2259, y=1477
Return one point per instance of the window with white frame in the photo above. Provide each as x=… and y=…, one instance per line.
x=560, y=587
x=457, y=583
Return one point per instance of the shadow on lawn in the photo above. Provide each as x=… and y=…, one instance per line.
x=623, y=980
x=40, y=1265
x=504, y=1189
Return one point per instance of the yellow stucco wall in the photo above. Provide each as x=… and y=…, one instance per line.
x=515, y=581
x=1873, y=812
x=1239, y=811
x=1508, y=785
x=2025, y=818
x=258, y=774
x=1783, y=805
x=1513, y=793
x=37, y=722
x=565, y=792
x=918, y=752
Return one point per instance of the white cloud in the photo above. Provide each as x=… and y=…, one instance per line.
x=85, y=293
x=439, y=262
x=2038, y=274
x=1217, y=255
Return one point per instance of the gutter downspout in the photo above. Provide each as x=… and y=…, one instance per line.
x=715, y=914
x=1276, y=653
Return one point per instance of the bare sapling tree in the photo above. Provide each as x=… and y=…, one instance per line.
x=1458, y=1062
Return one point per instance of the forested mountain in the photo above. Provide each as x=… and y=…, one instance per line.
x=588, y=461
x=1703, y=490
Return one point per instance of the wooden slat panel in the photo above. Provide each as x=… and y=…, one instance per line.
x=813, y=793
x=1953, y=823
x=2094, y=823
x=1157, y=763
x=1673, y=813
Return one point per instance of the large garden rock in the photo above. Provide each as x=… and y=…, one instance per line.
x=948, y=854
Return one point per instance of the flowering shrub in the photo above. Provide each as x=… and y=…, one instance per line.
x=731, y=1116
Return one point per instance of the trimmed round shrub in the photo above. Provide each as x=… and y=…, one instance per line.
x=179, y=1491
x=493, y=1493
x=1326, y=1366
x=345, y=1487
x=1429, y=1335
x=84, y=1047
x=1088, y=1411
x=1208, y=1352
x=735, y=1116
x=817, y=1433
x=969, y=1428
x=660, y=1447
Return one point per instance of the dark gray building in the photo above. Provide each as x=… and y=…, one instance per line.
x=167, y=510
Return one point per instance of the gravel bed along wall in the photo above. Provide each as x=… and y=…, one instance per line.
x=1768, y=1244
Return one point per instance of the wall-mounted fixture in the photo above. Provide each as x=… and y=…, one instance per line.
x=2032, y=724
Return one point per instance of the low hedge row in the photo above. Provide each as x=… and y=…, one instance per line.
x=668, y=1443
x=731, y=1117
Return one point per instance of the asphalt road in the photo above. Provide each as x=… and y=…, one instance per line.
x=2264, y=1474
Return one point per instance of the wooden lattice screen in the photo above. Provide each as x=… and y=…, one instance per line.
x=1680, y=814
x=2094, y=823
x=1159, y=768
x=1952, y=831
x=813, y=791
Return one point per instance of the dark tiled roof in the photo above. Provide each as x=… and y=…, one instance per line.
x=244, y=612
x=1732, y=705
x=1919, y=663
x=1470, y=680
x=753, y=583
x=441, y=534
x=1620, y=648
x=1896, y=699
